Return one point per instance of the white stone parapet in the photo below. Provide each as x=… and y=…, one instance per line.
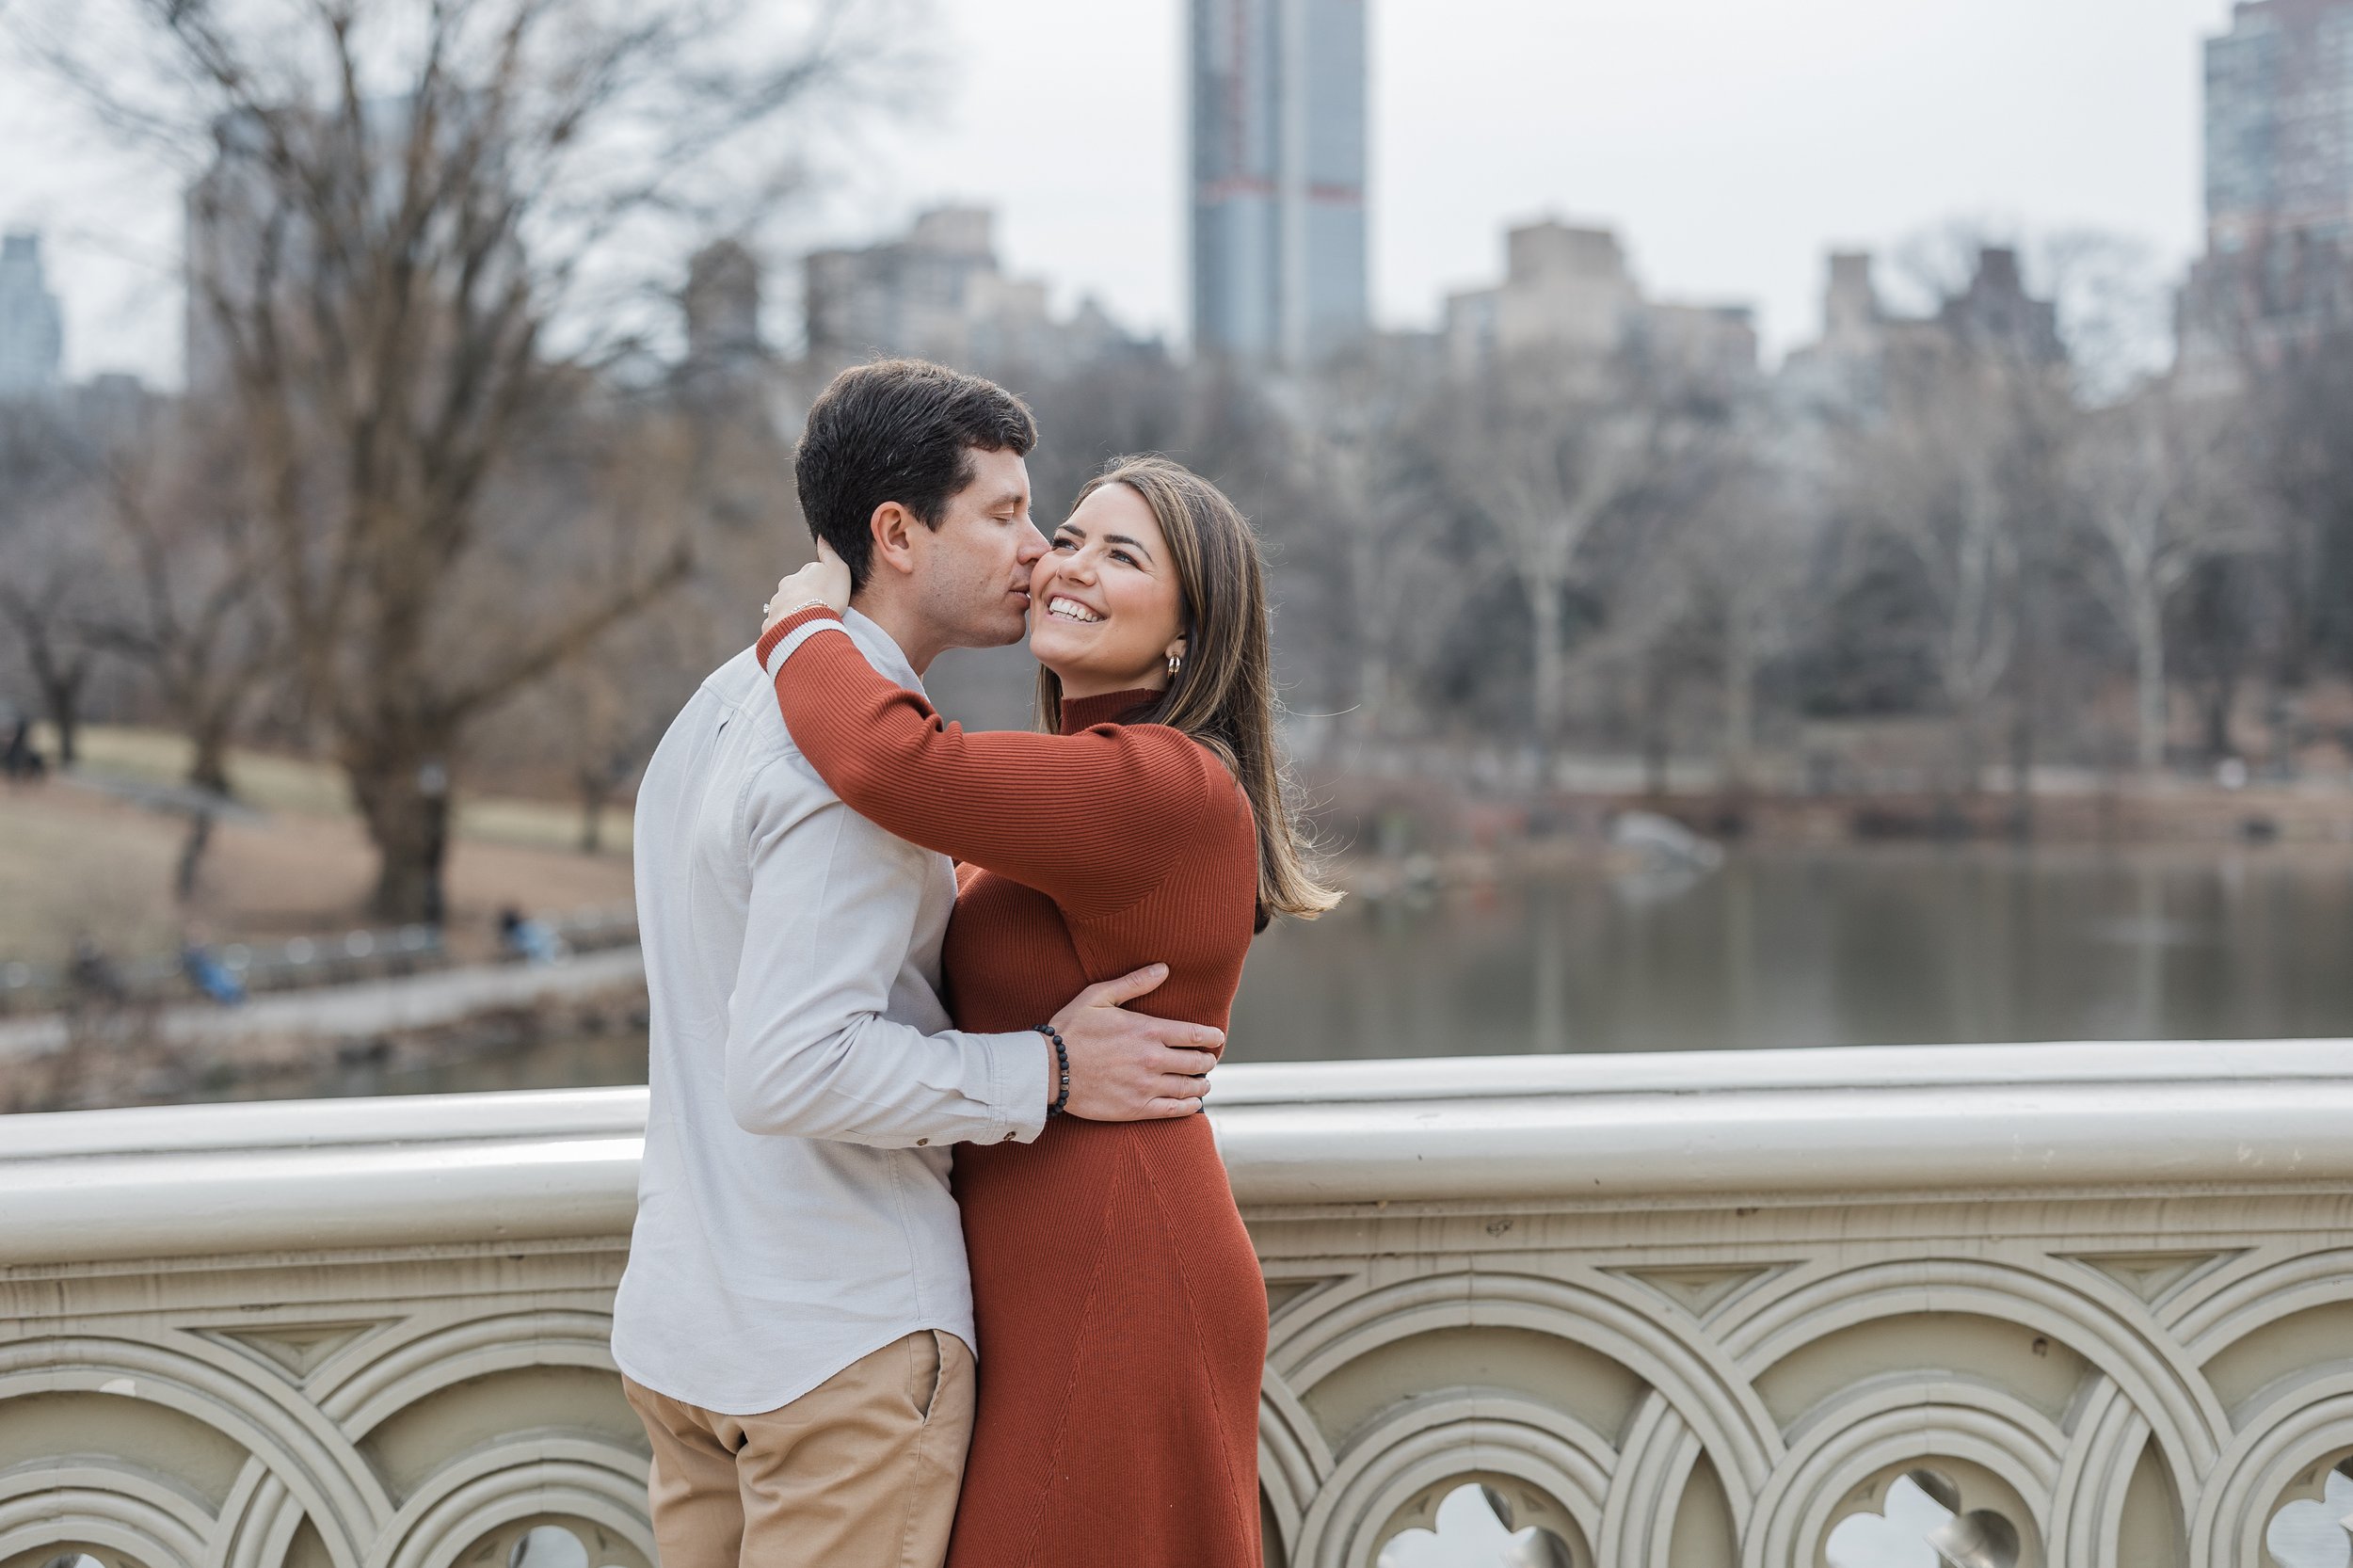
x=2054, y=1306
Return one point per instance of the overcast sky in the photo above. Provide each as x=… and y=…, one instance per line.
x=1730, y=142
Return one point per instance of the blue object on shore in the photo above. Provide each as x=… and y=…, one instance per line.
x=211, y=976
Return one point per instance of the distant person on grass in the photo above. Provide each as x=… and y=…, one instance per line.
x=796, y=1321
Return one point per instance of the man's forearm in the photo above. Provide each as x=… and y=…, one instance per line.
x=887, y=1085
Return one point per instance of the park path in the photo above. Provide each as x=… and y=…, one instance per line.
x=370, y=1007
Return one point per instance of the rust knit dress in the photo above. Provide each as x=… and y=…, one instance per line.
x=1121, y=1313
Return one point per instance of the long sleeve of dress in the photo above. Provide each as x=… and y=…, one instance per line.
x=1090, y=819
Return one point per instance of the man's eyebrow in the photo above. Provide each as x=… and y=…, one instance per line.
x=1011, y=498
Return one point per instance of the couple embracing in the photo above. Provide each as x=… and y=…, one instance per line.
x=901, y=1112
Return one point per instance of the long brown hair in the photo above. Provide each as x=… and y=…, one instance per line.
x=1223, y=694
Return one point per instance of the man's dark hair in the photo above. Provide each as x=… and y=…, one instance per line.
x=899, y=430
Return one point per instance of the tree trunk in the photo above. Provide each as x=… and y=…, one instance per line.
x=209, y=768
x=403, y=803
x=2022, y=755
x=1544, y=604
x=2221, y=697
x=1969, y=746
x=1657, y=746
x=2149, y=679
x=1372, y=690
x=2026, y=711
x=1740, y=740
x=62, y=695
x=1372, y=635
x=192, y=855
x=594, y=796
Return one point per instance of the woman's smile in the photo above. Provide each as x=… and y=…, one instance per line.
x=1108, y=611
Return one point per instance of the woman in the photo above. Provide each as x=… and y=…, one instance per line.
x=1120, y=1309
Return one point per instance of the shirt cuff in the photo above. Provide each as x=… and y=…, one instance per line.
x=779, y=642
x=1021, y=1082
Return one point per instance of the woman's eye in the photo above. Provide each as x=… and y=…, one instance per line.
x=1064, y=544
x=1123, y=555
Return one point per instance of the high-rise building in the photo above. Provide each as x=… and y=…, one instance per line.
x=2279, y=124
x=1278, y=177
x=32, y=327
x=2279, y=262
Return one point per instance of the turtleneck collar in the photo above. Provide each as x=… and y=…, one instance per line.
x=1085, y=713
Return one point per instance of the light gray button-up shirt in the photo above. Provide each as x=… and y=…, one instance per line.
x=793, y=1209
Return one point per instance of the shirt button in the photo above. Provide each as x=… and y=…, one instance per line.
x=922, y=1141
x=1007, y=1138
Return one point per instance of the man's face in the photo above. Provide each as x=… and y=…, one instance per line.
x=973, y=570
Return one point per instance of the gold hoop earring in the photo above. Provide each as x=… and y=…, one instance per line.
x=1176, y=662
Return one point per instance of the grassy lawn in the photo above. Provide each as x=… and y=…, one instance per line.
x=272, y=783
x=75, y=861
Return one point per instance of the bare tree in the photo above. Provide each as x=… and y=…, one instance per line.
x=1953, y=474
x=416, y=233
x=1545, y=450
x=1754, y=560
x=588, y=726
x=2152, y=475
x=2300, y=404
x=1368, y=472
x=193, y=613
x=52, y=576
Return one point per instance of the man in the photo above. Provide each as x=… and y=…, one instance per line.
x=796, y=1321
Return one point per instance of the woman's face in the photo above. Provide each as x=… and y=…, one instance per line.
x=1106, y=610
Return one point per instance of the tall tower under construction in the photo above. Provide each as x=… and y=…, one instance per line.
x=1278, y=177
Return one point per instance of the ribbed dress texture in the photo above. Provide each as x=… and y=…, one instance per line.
x=1121, y=1313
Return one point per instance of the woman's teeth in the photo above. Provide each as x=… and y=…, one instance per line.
x=1071, y=609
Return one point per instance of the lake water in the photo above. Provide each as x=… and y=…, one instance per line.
x=1845, y=947
x=1879, y=946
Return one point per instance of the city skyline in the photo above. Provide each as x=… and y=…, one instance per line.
x=1881, y=126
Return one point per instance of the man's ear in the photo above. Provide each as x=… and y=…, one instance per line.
x=894, y=528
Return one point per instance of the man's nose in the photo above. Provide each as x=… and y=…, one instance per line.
x=1033, y=547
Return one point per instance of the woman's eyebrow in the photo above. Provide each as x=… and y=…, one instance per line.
x=1122, y=539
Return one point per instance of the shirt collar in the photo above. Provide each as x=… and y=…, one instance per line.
x=881, y=649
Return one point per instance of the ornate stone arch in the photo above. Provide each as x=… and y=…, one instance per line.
x=1890, y=1421
x=1425, y=1444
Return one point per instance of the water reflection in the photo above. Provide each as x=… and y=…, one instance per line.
x=1831, y=947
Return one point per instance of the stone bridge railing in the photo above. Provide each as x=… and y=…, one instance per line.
x=2077, y=1306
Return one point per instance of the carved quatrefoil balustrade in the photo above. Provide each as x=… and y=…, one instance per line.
x=1474, y=1530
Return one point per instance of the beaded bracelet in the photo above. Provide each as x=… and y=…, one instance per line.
x=1061, y=1065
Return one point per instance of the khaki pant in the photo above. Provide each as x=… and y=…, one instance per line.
x=861, y=1471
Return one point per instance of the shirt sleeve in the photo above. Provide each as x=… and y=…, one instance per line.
x=1092, y=820
x=833, y=906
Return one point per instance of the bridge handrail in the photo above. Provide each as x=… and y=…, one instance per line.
x=188, y=1181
